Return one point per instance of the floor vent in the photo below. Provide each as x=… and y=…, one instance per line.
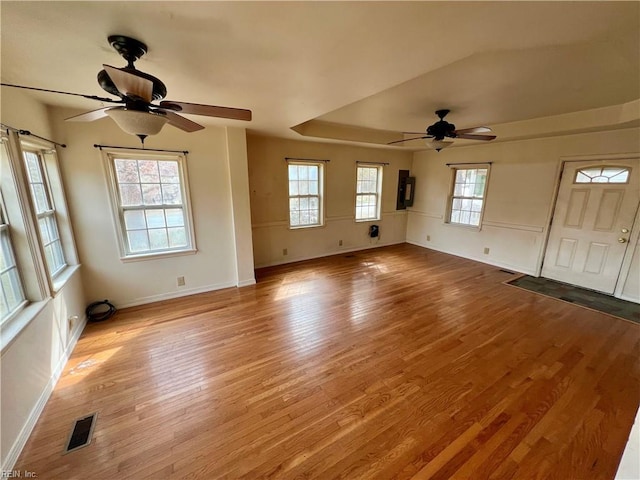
x=81, y=434
x=507, y=271
x=567, y=299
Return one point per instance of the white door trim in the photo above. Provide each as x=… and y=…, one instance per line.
x=634, y=237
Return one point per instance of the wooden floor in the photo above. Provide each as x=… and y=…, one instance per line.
x=398, y=362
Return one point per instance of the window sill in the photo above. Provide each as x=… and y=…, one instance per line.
x=157, y=255
x=303, y=227
x=61, y=279
x=364, y=220
x=462, y=225
x=12, y=327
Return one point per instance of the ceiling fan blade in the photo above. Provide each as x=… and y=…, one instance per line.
x=89, y=116
x=469, y=136
x=208, y=110
x=409, y=139
x=90, y=97
x=129, y=84
x=474, y=130
x=414, y=133
x=181, y=122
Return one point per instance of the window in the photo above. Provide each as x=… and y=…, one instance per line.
x=467, y=196
x=12, y=295
x=602, y=175
x=45, y=212
x=305, y=194
x=368, y=192
x=151, y=203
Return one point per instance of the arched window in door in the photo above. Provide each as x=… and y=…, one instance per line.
x=602, y=175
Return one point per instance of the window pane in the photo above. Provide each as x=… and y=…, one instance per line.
x=177, y=237
x=40, y=197
x=175, y=217
x=313, y=187
x=33, y=167
x=293, y=172
x=6, y=253
x=138, y=240
x=130, y=195
x=127, y=171
x=158, y=239
x=169, y=172
x=155, y=218
x=44, y=231
x=151, y=194
x=134, y=220
x=171, y=194
x=149, y=171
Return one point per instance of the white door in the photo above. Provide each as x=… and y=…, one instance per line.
x=593, y=217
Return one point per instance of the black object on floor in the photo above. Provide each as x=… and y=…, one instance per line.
x=579, y=296
x=81, y=434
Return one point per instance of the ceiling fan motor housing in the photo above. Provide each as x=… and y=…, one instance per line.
x=442, y=129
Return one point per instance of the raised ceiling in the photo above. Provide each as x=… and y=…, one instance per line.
x=360, y=71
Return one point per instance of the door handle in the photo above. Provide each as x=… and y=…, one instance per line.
x=625, y=230
x=622, y=240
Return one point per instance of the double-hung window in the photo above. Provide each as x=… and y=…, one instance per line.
x=12, y=295
x=466, y=202
x=45, y=211
x=368, y=192
x=305, y=194
x=151, y=204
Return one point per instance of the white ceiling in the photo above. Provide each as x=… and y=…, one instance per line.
x=375, y=65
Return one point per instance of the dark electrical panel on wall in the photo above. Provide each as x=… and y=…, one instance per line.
x=406, y=190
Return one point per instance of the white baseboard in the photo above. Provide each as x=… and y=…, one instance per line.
x=246, y=283
x=25, y=433
x=178, y=294
x=327, y=254
x=507, y=266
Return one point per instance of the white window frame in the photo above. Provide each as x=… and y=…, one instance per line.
x=453, y=196
x=378, y=191
x=118, y=210
x=319, y=196
x=49, y=216
x=16, y=280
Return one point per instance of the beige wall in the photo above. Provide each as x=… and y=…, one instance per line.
x=215, y=212
x=269, y=200
x=519, y=197
x=32, y=362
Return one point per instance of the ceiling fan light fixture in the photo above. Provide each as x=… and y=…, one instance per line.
x=136, y=122
x=438, y=145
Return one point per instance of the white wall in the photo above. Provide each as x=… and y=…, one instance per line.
x=214, y=213
x=269, y=200
x=518, y=201
x=31, y=364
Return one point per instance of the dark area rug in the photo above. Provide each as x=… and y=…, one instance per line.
x=580, y=296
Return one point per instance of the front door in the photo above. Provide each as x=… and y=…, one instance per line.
x=593, y=217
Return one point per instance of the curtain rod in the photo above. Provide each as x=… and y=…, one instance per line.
x=306, y=159
x=469, y=163
x=95, y=145
x=373, y=163
x=28, y=133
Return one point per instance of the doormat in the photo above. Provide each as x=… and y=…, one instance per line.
x=579, y=296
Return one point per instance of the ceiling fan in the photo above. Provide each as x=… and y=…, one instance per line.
x=133, y=110
x=443, y=129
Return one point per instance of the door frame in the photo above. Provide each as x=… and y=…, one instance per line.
x=634, y=234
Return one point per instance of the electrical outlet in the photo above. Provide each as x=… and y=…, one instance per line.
x=284, y=251
x=181, y=282
x=339, y=243
x=428, y=238
x=486, y=250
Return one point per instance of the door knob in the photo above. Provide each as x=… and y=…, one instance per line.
x=622, y=240
x=625, y=230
